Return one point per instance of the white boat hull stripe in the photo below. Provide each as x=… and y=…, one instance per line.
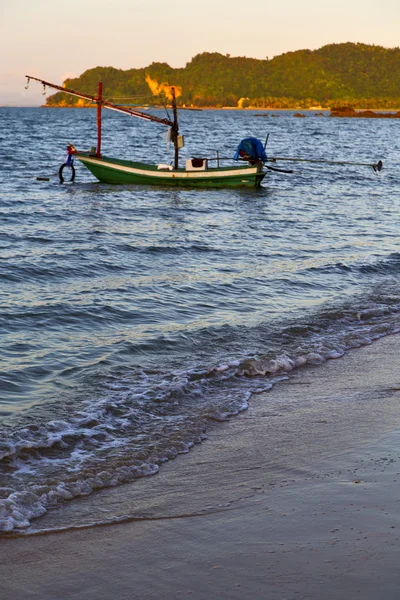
x=171, y=174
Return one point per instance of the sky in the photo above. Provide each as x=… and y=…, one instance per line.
x=53, y=40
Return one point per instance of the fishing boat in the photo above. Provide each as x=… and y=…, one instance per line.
x=197, y=171
x=250, y=156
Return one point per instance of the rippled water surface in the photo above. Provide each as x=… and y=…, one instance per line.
x=131, y=317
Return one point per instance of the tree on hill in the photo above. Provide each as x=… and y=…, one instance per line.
x=359, y=74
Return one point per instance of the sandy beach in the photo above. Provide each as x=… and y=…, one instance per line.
x=298, y=497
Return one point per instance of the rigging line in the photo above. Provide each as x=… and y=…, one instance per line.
x=104, y=104
x=138, y=114
x=165, y=107
x=130, y=97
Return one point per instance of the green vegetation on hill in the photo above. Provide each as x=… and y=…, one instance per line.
x=358, y=75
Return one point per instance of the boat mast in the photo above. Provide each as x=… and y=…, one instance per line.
x=175, y=129
x=99, y=101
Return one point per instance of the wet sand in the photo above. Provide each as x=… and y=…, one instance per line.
x=298, y=497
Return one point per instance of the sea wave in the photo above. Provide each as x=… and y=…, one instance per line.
x=133, y=318
x=137, y=423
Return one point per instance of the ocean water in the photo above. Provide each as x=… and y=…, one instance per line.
x=134, y=318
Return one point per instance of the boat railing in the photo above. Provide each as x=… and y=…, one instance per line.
x=218, y=159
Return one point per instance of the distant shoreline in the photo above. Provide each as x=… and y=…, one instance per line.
x=236, y=108
x=227, y=108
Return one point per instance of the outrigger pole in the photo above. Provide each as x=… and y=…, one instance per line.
x=375, y=166
x=104, y=103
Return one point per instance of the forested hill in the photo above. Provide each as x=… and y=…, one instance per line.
x=353, y=74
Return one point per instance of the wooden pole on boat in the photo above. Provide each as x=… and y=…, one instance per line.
x=175, y=129
x=99, y=101
x=376, y=166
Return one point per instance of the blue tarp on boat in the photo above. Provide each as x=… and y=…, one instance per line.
x=250, y=148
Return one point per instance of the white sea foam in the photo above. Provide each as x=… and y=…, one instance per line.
x=94, y=448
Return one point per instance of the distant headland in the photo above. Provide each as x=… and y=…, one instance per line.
x=358, y=76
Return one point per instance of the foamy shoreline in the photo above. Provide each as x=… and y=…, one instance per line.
x=297, y=497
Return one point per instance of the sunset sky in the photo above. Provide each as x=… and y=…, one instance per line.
x=55, y=40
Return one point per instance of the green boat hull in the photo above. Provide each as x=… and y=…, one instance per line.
x=115, y=171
